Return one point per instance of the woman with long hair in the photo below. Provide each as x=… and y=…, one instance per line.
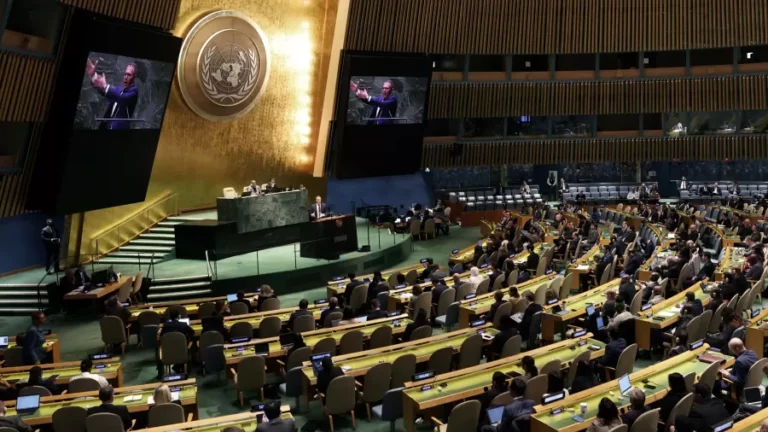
x=607, y=417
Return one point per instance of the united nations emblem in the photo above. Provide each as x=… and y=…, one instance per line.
x=223, y=66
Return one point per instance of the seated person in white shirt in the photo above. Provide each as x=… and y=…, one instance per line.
x=254, y=188
x=85, y=372
x=621, y=315
x=657, y=296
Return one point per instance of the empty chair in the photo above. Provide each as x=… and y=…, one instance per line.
x=113, y=332
x=755, y=374
x=463, y=291
x=241, y=329
x=251, y=374
x=34, y=390
x=512, y=346
x=104, y=422
x=536, y=387
x=440, y=360
x=325, y=345
x=464, y=417
x=69, y=419
x=502, y=400
x=358, y=297
x=512, y=278
x=412, y=276
x=391, y=407
x=165, y=414
x=148, y=336
x=709, y=376
x=471, y=350
x=451, y=317
x=344, y=398
x=573, y=368
x=351, y=342
x=293, y=385
x=422, y=332
x=303, y=324
x=403, y=369
x=503, y=310
x=83, y=385
x=181, y=309
x=270, y=326
x=446, y=298
x=213, y=359
x=173, y=350
x=206, y=309
x=646, y=422
x=381, y=337
x=376, y=385
x=483, y=287
x=423, y=302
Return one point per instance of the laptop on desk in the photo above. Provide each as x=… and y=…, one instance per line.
x=3, y=342
x=753, y=396
x=26, y=405
x=494, y=414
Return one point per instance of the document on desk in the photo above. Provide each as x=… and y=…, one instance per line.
x=666, y=314
x=582, y=267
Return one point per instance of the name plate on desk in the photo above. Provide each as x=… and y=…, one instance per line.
x=259, y=212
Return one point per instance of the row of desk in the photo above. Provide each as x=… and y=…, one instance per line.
x=111, y=369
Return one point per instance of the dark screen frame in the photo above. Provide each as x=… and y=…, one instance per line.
x=83, y=170
x=370, y=150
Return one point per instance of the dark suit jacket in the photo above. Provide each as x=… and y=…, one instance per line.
x=120, y=410
x=211, y=324
x=437, y=292
x=377, y=314
x=177, y=326
x=633, y=264
x=514, y=410
x=313, y=210
x=246, y=302
x=533, y=261
x=696, y=307
x=668, y=403
x=123, y=102
x=324, y=379
x=325, y=314
x=277, y=425
x=81, y=279
x=632, y=415
x=492, y=312
x=374, y=289
x=525, y=324
x=260, y=301
x=14, y=422
x=492, y=277
x=754, y=272
x=349, y=288
x=612, y=352
x=741, y=366
x=707, y=270
x=120, y=312
x=384, y=110
x=501, y=338
x=627, y=292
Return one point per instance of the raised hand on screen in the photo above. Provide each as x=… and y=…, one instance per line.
x=362, y=94
x=352, y=87
x=90, y=67
x=99, y=81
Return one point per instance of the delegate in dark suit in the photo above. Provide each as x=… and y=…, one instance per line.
x=81, y=278
x=384, y=109
x=14, y=422
x=519, y=406
x=277, y=425
x=120, y=410
x=533, y=261
x=122, y=97
x=318, y=210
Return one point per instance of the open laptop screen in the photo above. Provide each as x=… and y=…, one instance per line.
x=27, y=403
x=624, y=384
x=494, y=414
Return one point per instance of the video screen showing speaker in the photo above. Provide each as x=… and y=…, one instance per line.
x=384, y=101
x=121, y=93
x=109, y=102
x=381, y=114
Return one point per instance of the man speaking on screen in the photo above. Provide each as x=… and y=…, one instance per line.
x=384, y=106
x=122, y=98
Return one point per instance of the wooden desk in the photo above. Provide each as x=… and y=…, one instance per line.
x=669, y=310
x=733, y=257
x=575, y=307
x=755, y=333
x=190, y=305
x=751, y=423
x=471, y=382
x=51, y=346
x=336, y=288
x=49, y=404
x=659, y=257
x=470, y=309
x=245, y=421
x=111, y=369
x=256, y=317
x=98, y=293
x=399, y=298
x=465, y=255
x=728, y=238
x=358, y=364
x=234, y=353
x=544, y=421
x=583, y=265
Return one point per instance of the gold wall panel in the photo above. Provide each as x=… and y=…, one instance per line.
x=504, y=99
x=554, y=26
x=497, y=153
x=196, y=158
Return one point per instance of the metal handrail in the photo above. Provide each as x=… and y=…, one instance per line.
x=143, y=212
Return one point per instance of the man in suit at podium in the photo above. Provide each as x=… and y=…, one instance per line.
x=384, y=107
x=318, y=210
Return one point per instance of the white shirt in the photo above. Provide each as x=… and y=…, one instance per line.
x=618, y=319
x=100, y=379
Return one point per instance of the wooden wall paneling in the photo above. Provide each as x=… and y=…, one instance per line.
x=156, y=13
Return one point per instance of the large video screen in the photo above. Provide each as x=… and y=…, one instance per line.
x=121, y=93
x=383, y=101
x=381, y=113
x=109, y=101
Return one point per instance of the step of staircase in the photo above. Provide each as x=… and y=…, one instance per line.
x=151, y=241
x=178, y=286
x=21, y=299
x=17, y=310
x=176, y=295
x=162, y=229
x=182, y=279
x=5, y=293
x=146, y=248
x=126, y=260
x=158, y=236
x=182, y=219
x=169, y=223
x=31, y=300
x=134, y=254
